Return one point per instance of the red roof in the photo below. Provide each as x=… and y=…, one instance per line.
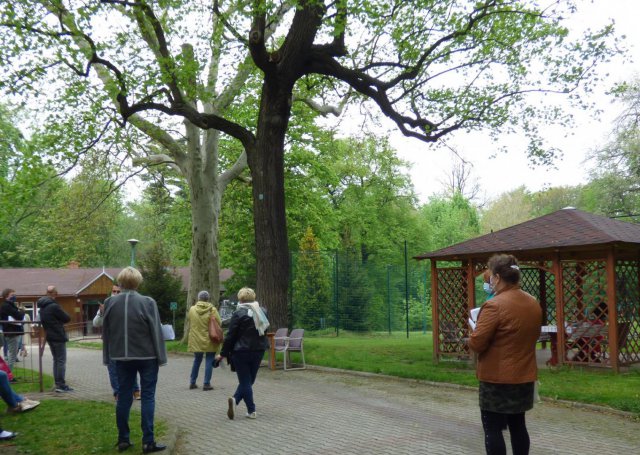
x=564, y=229
x=71, y=281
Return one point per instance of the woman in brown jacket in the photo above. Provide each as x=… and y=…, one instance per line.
x=505, y=340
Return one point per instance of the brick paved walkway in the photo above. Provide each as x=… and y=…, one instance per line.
x=323, y=412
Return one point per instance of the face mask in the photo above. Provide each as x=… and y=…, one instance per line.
x=487, y=288
x=12, y=299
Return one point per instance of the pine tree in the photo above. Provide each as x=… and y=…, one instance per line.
x=312, y=295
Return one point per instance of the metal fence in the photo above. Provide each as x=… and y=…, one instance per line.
x=336, y=290
x=28, y=365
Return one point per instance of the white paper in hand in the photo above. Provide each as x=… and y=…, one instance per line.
x=473, y=320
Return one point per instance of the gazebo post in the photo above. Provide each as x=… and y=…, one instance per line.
x=612, y=310
x=471, y=286
x=542, y=290
x=560, y=335
x=435, y=311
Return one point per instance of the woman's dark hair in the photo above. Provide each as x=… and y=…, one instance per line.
x=6, y=292
x=505, y=265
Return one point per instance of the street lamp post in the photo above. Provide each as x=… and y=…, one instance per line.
x=133, y=243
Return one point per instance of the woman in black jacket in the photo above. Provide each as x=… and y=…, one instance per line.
x=244, y=345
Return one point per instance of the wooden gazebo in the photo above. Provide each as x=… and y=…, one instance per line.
x=583, y=268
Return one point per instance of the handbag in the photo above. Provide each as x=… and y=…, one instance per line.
x=168, y=333
x=215, y=332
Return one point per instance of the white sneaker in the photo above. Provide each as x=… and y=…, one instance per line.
x=253, y=415
x=28, y=404
x=6, y=435
x=231, y=411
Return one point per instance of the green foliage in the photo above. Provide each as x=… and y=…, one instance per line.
x=355, y=194
x=163, y=285
x=163, y=217
x=449, y=220
x=615, y=181
x=312, y=286
x=237, y=245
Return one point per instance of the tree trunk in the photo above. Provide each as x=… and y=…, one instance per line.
x=205, y=261
x=267, y=172
x=205, y=198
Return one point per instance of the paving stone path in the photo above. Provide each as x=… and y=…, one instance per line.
x=327, y=412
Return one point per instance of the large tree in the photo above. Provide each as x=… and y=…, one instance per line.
x=615, y=179
x=431, y=66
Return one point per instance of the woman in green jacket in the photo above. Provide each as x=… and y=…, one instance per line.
x=199, y=342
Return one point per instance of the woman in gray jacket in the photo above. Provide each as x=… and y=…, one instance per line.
x=132, y=337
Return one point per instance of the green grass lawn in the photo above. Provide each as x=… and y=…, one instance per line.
x=65, y=427
x=70, y=427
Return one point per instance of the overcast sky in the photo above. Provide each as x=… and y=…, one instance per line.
x=506, y=172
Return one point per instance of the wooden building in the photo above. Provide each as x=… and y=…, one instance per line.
x=80, y=290
x=583, y=268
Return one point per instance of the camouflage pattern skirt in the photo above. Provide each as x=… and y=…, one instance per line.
x=506, y=398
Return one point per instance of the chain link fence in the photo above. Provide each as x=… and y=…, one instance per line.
x=332, y=291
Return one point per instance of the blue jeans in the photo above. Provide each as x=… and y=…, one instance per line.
x=246, y=364
x=11, y=342
x=6, y=392
x=127, y=371
x=59, y=353
x=208, y=366
x=113, y=378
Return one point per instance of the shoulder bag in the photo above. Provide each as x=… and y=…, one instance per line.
x=215, y=331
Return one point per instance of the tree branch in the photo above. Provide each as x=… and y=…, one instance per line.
x=234, y=171
x=325, y=109
x=156, y=160
x=257, y=45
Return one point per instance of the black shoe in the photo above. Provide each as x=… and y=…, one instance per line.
x=153, y=447
x=123, y=445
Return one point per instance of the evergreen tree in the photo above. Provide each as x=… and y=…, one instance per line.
x=163, y=285
x=311, y=285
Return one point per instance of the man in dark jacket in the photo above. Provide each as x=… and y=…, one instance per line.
x=12, y=331
x=53, y=319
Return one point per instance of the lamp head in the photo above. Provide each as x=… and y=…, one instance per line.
x=133, y=242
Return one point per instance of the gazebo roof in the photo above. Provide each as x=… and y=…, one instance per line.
x=564, y=229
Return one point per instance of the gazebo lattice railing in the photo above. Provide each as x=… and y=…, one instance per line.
x=453, y=312
x=584, y=286
x=628, y=310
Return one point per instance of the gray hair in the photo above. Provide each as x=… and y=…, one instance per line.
x=203, y=296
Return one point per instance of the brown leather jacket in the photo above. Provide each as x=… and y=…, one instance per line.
x=505, y=338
